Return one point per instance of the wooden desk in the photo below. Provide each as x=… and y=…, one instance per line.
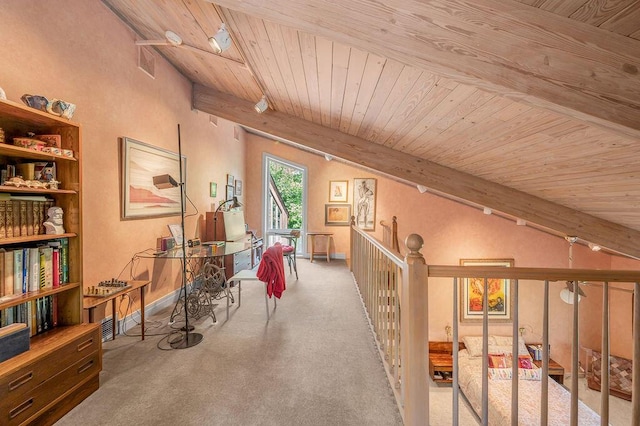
x=312, y=237
x=91, y=303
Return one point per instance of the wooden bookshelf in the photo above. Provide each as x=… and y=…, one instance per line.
x=62, y=365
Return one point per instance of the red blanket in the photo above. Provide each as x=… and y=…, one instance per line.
x=271, y=271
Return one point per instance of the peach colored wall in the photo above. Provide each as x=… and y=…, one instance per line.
x=79, y=51
x=453, y=231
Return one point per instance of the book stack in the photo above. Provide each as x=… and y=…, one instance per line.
x=38, y=315
x=29, y=269
x=23, y=215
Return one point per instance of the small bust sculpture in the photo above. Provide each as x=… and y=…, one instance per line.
x=53, y=225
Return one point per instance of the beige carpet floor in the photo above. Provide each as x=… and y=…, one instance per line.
x=313, y=363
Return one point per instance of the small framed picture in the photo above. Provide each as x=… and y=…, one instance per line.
x=229, y=194
x=230, y=179
x=337, y=214
x=213, y=189
x=238, y=187
x=338, y=191
x=498, y=293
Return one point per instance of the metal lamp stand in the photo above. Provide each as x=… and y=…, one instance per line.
x=189, y=339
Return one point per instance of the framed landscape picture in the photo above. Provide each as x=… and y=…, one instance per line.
x=229, y=194
x=238, y=187
x=364, y=203
x=498, y=291
x=337, y=214
x=140, y=163
x=213, y=189
x=338, y=191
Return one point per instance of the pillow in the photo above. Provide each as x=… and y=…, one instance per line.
x=505, y=361
x=507, y=343
x=474, y=344
x=507, y=373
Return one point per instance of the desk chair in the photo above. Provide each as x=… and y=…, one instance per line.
x=289, y=251
x=252, y=275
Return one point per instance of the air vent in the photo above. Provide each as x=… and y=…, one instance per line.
x=107, y=329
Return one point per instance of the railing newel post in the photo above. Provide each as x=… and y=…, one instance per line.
x=415, y=334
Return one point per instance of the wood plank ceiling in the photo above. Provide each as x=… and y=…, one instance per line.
x=566, y=129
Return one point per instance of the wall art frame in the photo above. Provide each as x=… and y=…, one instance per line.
x=139, y=163
x=338, y=191
x=500, y=302
x=364, y=203
x=337, y=214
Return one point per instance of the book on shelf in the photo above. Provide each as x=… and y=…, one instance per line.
x=55, y=260
x=34, y=269
x=8, y=229
x=62, y=244
x=46, y=267
x=3, y=219
x=8, y=272
x=16, y=217
x=25, y=269
x=23, y=217
x=17, y=271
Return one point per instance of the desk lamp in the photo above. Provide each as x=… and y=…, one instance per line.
x=235, y=204
x=163, y=182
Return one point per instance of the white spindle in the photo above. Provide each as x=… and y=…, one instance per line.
x=485, y=353
x=515, y=352
x=544, y=392
x=635, y=393
x=455, y=346
x=604, y=384
x=574, y=356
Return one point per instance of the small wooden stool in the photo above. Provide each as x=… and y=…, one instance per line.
x=312, y=237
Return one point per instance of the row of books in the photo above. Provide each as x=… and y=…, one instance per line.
x=40, y=314
x=23, y=215
x=27, y=269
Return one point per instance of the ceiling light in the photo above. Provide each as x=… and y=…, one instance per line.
x=328, y=157
x=422, y=189
x=521, y=222
x=594, y=247
x=487, y=210
x=262, y=105
x=221, y=41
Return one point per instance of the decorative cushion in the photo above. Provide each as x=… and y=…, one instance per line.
x=500, y=367
x=287, y=249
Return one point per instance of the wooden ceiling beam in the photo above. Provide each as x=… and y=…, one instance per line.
x=501, y=46
x=413, y=169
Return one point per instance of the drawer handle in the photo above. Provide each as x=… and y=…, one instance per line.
x=20, y=381
x=84, y=345
x=20, y=408
x=85, y=367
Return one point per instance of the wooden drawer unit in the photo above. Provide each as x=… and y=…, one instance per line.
x=37, y=383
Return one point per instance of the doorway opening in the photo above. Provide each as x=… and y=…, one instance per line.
x=284, y=202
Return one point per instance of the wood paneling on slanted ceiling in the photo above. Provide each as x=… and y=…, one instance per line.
x=541, y=97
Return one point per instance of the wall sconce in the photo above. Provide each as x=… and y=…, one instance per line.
x=487, y=210
x=262, y=105
x=221, y=41
x=422, y=189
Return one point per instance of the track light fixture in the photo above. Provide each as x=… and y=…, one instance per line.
x=521, y=222
x=262, y=105
x=422, y=189
x=594, y=247
x=328, y=157
x=221, y=41
x=487, y=210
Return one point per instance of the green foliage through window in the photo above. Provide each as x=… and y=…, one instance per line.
x=289, y=184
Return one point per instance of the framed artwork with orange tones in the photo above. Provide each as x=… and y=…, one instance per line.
x=499, y=299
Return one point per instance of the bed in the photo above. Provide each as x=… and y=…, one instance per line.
x=529, y=389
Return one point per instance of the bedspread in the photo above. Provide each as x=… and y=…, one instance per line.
x=470, y=381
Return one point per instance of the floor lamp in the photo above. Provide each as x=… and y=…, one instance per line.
x=162, y=182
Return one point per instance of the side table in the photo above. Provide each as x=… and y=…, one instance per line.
x=312, y=237
x=556, y=371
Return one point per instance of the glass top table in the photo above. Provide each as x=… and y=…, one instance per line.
x=206, y=249
x=205, y=275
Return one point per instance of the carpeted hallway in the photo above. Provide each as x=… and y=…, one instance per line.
x=313, y=363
